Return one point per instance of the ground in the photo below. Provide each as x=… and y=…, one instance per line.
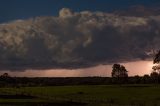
x=87, y=95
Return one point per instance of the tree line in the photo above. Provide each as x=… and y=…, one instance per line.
x=119, y=76
x=119, y=72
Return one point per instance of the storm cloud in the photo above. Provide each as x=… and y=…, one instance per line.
x=77, y=40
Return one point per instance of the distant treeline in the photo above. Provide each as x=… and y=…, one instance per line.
x=20, y=82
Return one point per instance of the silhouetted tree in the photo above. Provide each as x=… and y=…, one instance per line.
x=146, y=78
x=5, y=75
x=154, y=76
x=156, y=68
x=156, y=58
x=119, y=71
x=137, y=79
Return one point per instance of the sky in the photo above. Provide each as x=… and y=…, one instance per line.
x=23, y=9
x=78, y=38
x=139, y=68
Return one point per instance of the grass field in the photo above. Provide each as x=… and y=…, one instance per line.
x=91, y=95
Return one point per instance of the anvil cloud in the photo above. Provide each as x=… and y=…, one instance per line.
x=77, y=40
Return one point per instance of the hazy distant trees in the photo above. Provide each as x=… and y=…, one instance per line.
x=5, y=75
x=146, y=79
x=119, y=71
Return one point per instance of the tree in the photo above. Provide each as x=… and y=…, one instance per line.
x=5, y=75
x=156, y=68
x=137, y=79
x=156, y=60
x=119, y=71
x=155, y=76
x=146, y=78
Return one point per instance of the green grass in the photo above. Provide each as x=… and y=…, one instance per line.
x=138, y=95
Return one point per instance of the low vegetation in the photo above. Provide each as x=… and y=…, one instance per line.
x=89, y=95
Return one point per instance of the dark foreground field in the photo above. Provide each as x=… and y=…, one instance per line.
x=88, y=95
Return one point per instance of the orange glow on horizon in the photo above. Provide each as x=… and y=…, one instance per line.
x=135, y=68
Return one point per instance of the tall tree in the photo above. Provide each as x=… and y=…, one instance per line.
x=156, y=60
x=155, y=75
x=119, y=71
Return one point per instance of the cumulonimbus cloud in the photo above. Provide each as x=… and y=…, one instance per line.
x=77, y=40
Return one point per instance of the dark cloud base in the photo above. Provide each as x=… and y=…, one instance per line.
x=77, y=40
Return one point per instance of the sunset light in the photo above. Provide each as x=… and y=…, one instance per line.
x=79, y=52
